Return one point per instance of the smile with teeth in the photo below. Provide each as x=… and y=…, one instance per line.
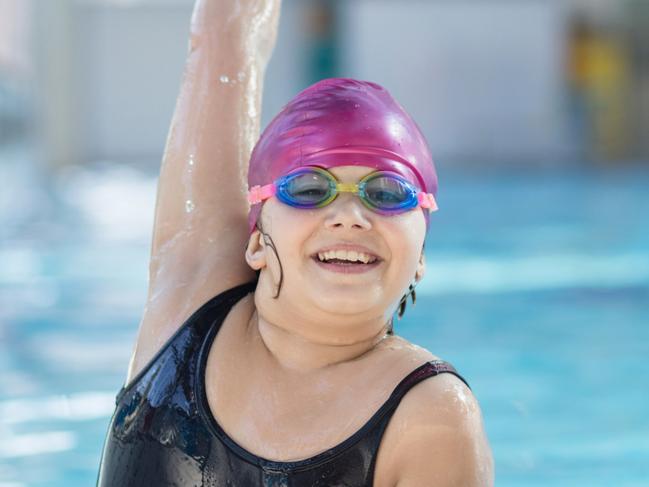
x=350, y=256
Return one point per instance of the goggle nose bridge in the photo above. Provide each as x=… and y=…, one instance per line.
x=347, y=188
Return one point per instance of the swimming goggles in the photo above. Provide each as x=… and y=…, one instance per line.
x=314, y=187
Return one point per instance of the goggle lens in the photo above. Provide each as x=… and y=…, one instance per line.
x=389, y=193
x=306, y=189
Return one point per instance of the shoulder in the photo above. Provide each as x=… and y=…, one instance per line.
x=442, y=440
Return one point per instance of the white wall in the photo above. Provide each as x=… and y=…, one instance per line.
x=110, y=72
x=482, y=79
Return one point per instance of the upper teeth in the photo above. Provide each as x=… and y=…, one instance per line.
x=350, y=255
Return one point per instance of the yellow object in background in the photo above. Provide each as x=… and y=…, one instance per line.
x=600, y=74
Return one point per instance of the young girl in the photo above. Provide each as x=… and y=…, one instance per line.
x=266, y=356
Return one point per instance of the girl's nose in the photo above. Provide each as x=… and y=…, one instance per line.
x=348, y=211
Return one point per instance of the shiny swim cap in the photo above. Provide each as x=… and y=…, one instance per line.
x=342, y=122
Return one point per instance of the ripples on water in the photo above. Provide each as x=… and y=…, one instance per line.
x=537, y=290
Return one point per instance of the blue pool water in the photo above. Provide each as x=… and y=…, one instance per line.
x=537, y=290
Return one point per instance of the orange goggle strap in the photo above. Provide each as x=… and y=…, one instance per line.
x=257, y=194
x=427, y=200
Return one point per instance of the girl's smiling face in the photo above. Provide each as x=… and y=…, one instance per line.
x=394, y=245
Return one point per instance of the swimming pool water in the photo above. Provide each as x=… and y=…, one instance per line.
x=537, y=290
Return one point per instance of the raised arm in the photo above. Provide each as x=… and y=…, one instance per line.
x=200, y=217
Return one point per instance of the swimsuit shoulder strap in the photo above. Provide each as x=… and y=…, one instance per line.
x=387, y=409
x=428, y=369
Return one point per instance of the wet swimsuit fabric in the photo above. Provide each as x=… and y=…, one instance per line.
x=163, y=434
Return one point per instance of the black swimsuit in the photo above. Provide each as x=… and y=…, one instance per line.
x=162, y=433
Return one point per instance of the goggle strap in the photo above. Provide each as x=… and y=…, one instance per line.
x=257, y=194
x=427, y=200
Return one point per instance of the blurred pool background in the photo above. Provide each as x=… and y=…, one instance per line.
x=537, y=286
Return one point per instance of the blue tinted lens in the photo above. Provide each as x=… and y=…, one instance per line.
x=389, y=193
x=305, y=189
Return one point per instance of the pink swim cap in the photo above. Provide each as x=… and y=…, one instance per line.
x=342, y=122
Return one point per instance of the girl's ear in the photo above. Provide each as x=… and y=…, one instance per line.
x=421, y=267
x=256, y=250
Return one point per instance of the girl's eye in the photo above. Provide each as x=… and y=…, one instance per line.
x=309, y=191
x=386, y=196
x=308, y=187
x=387, y=191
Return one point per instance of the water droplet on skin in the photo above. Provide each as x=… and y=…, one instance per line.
x=241, y=76
x=224, y=79
x=189, y=206
x=193, y=43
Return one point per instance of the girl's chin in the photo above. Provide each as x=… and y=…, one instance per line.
x=343, y=295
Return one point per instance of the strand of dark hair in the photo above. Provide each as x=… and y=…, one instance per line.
x=269, y=241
